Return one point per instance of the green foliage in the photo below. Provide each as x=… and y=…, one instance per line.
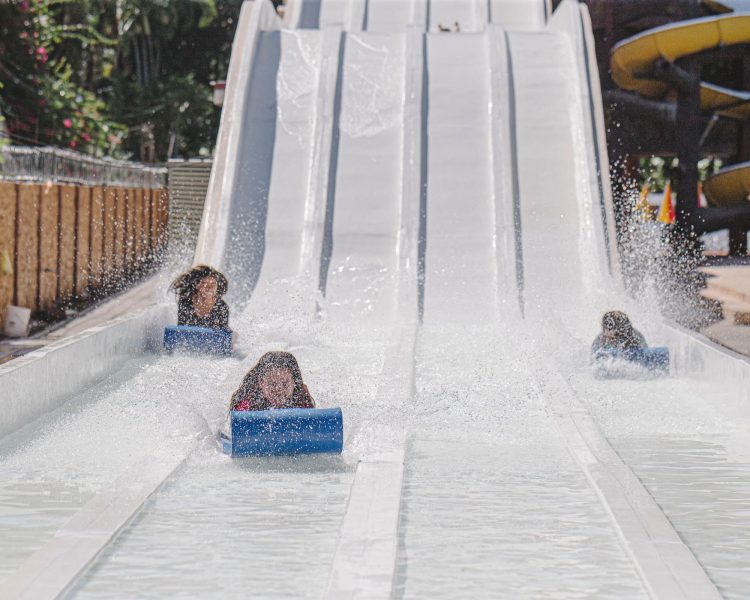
x=42, y=97
x=127, y=78
x=80, y=113
x=657, y=170
x=175, y=111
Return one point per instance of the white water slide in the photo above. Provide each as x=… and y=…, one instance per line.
x=424, y=218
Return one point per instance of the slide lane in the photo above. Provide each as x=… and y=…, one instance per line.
x=460, y=273
x=517, y=15
x=298, y=132
x=292, y=509
x=560, y=252
x=200, y=401
x=296, y=509
x=392, y=16
x=51, y=469
x=484, y=460
x=361, y=275
x=563, y=324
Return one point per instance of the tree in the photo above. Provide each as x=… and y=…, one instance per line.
x=121, y=77
x=41, y=97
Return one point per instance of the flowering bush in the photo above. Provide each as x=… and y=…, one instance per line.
x=127, y=78
x=43, y=101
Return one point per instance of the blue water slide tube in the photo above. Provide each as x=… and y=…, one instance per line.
x=198, y=339
x=650, y=358
x=285, y=431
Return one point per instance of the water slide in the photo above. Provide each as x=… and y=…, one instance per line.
x=425, y=220
x=731, y=185
x=633, y=59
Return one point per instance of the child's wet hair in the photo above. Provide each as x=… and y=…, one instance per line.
x=187, y=283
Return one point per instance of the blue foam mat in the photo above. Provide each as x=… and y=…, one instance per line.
x=651, y=358
x=285, y=431
x=198, y=339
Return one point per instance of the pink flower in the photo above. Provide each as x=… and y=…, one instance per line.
x=86, y=137
x=73, y=144
x=24, y=5
x=68, y=123
x=42, y=54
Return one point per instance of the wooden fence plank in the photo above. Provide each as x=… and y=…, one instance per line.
x=154, y=229
x=27, y=247
x=119, y=224
x=97, y=237
x=110, y=233
x=146, y=194
x=163, y=220
x=49, y=219
x=7, y=246
x=83, y=240
x=139, y=237
x=67, y=246
x=130, y=231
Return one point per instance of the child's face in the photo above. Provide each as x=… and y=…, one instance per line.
x=208, y=287
x=277, y=386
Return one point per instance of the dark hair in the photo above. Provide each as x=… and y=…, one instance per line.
x=185, y=285
x=250, y=387
x=617, y=322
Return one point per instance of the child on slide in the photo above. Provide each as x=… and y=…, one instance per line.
x=617, y=333
x=199, y=298
x=275, y=382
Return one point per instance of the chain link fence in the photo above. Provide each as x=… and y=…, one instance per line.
x=35, y=165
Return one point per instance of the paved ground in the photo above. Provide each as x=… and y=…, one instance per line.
x=149, y=291
x=730, y=285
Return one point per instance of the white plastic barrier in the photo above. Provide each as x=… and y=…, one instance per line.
x=696, y=356
x=255, y=18
x=43, y=380
x=572, y=18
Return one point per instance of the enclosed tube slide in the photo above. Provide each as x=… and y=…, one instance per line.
x=633, y=59
x=729, y=186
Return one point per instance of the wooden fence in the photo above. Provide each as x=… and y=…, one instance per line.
x=60, y=242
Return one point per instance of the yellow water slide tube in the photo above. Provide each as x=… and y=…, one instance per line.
x=729, y=186
x=633, y=59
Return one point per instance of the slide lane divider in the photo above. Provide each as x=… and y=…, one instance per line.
x=316, y=200
x=667, y=567
x=505, y=186
x=326, y=246
x=255, y=17
x=364, y=564
x=601, y=158
x=594, y=196
x=56, y=567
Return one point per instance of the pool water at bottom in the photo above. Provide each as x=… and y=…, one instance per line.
x=493, y=505
x=260, y=528
x=704, y=489
x=485, y=519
